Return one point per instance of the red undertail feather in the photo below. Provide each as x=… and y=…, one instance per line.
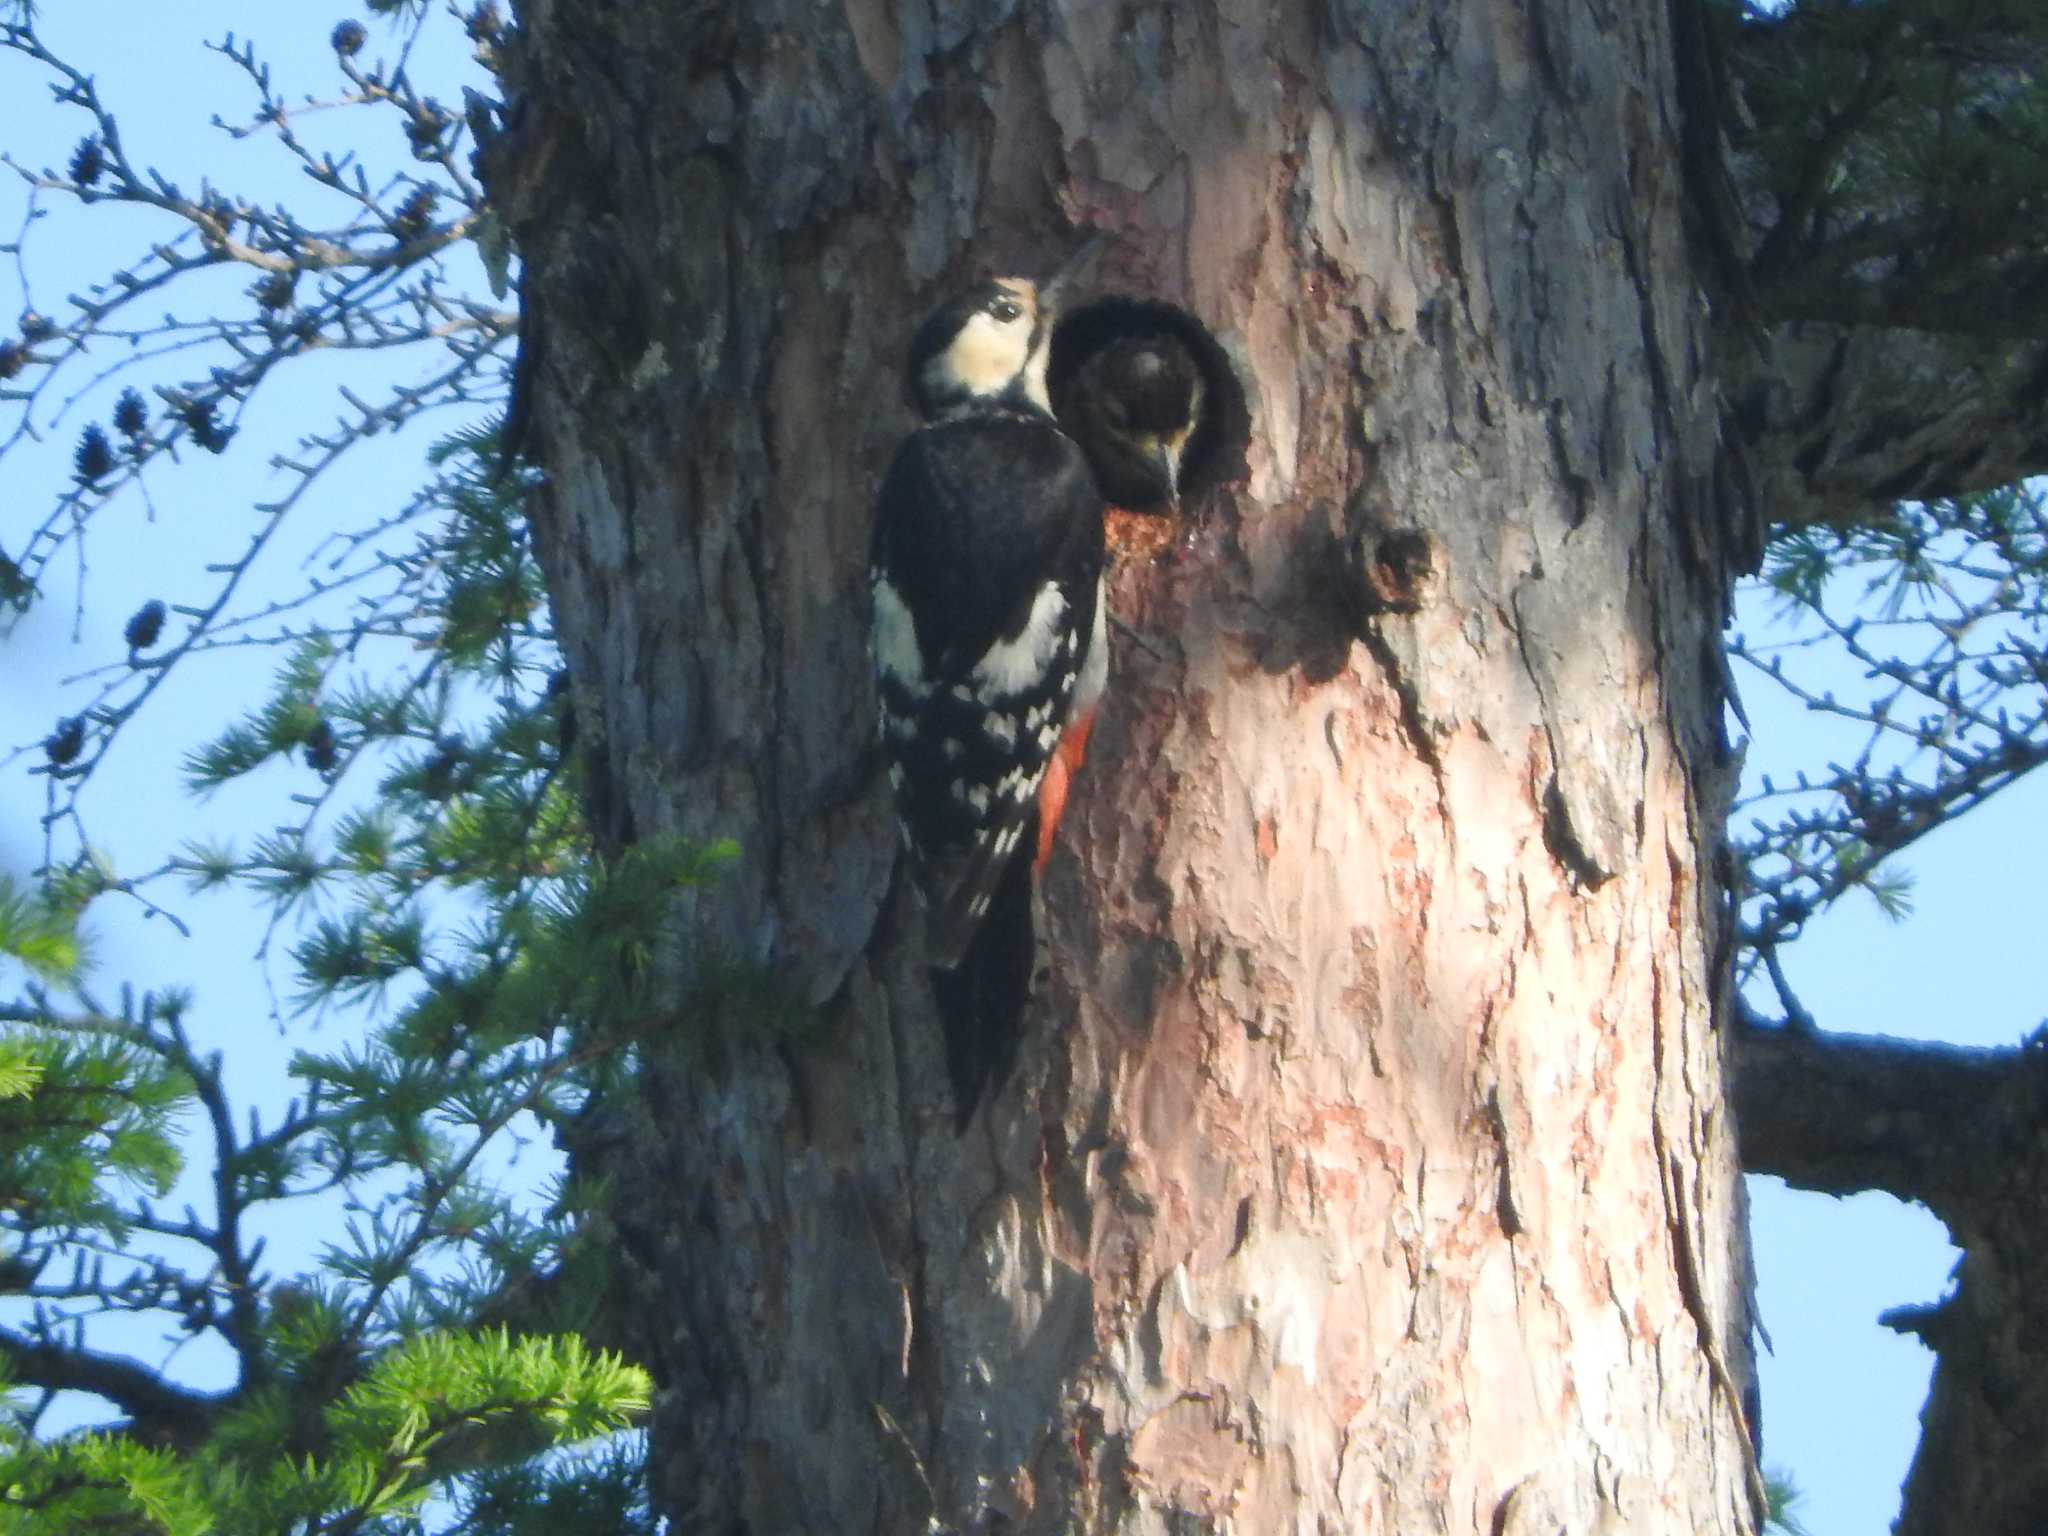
x=1059, y=778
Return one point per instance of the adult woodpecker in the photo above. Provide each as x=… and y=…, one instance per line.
x=986, y=572
x=1134, y=405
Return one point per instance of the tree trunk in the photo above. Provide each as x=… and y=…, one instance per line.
x=1366, y=1168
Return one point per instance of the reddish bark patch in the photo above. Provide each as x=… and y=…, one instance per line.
x=1268, y=834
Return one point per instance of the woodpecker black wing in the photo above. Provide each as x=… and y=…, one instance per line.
x=986, y=570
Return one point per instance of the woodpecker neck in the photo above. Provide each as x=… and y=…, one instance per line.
x=982, y=408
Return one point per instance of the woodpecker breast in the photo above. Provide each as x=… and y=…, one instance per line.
x=986, y=578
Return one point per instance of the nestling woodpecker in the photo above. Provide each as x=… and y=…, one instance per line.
x=986, y=573
x=1133, y=406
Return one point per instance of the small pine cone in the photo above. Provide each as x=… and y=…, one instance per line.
x=94, y=457
x=348, y=38
x=13, y=358
x=131, y=416
x=425, y=126
x=204, y=426
x=275, y=291
x=35, y=327
x=415, y=213
x=88, y=161
x=63, y=745
x=321, y=751
x=145, y=625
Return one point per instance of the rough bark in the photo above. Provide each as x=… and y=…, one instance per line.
x=1961, y=1131
x=1843, y=419
x=1366, y=1168
x=1843, y=1113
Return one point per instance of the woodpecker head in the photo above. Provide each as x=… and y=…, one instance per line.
x=991, y=344
x=1133, y=406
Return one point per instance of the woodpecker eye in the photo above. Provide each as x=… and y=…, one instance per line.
x=1005, y=310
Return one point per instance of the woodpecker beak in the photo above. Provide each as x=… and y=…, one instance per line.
x=1053, y=290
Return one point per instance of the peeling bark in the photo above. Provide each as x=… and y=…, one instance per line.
x=1366, y=1166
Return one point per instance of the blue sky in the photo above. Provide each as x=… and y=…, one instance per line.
x=1841, y=1394
x=149, y=65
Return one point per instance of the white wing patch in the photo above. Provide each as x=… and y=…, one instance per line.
x=1094, y=665
x=895, y=632
x=1013, y=666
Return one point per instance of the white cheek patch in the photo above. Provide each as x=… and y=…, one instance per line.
x=1013, y=666
x=895, y=636
x=986, y=355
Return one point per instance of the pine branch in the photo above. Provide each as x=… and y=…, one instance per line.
x=159, y=1412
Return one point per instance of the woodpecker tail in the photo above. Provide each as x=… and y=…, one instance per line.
x=981, y=999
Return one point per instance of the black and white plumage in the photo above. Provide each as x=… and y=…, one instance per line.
x=988, y=643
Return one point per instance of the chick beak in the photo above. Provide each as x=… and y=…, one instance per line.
x=1052, y=291
x=1167, y=462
